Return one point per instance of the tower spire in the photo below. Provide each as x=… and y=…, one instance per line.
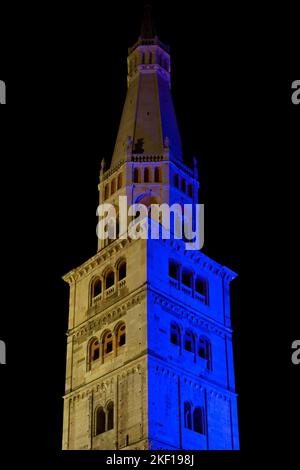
x=148, y=30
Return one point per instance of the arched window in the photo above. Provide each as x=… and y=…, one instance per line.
x=106, y=192
x=157, y=175
x=183, y=185
x=122, y=270
x=175, y=334
x=187, y=415
x=94, y=352
x=113, y=187
x=110, y=416
x=120, y=181
x=190, y=190
x=204, y=351
x=199, y=420
x=100, y=421
x=176, y=181
x=109, y=279
x=174, y=270
x=121, y=335
x=146, y=175
x=96, y=288
x=187, y=278
x=136, y=175
x=189, y=342
x=107, y=343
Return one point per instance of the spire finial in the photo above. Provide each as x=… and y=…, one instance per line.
x=148, y=28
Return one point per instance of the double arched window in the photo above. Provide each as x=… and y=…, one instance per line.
x=194, y=418
x=104, y=418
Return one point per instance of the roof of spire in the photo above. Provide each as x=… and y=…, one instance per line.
x=148, y=30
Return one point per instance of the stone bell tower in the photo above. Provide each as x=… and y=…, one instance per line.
x=149, y=350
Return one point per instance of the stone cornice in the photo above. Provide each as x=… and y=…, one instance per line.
x=103, y=384
x=204, y=261
x=174, y=373
x=195, y=318
x=198, y=257
x=109, y=315
x=85, y=269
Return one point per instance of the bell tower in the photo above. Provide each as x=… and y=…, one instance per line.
x=149, y=349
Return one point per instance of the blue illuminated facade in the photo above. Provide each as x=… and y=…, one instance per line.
x=192, y=400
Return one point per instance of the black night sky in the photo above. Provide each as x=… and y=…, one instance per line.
x=65, y=72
